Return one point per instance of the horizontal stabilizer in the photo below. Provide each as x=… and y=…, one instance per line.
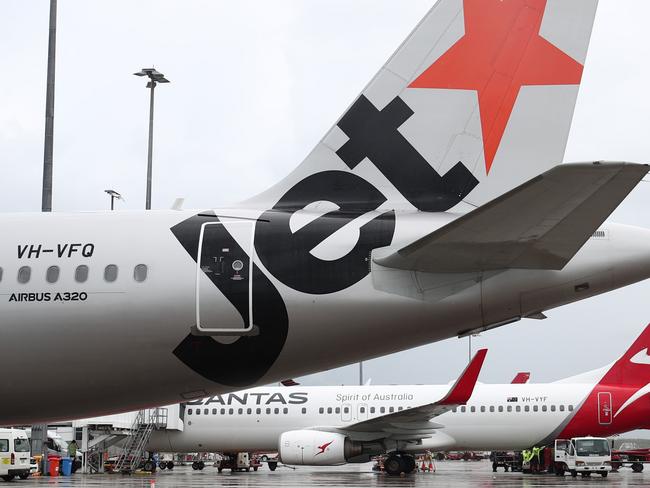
x=540, y=225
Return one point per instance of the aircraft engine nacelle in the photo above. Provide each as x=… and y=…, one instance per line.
x=316, y=448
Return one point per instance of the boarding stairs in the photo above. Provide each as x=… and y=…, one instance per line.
x=132, y=455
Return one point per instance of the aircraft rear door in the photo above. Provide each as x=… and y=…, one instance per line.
x=224, y=277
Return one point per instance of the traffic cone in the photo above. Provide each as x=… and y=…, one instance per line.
x=424, y=466
x=431, y=466
x=152, y=483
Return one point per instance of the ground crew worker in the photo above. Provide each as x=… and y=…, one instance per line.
x=72, y=449
x=526, y=457
x=535, y=462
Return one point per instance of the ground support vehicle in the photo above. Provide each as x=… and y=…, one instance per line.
x=242, y=461
x=634, y=458
x=14, y=454
x=582, y=455
x=508, y=460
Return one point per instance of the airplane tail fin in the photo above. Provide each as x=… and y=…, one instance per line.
x=478, y=100
x=633, y=368
x=620, y=401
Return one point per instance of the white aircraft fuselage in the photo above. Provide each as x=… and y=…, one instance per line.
x=125, y=344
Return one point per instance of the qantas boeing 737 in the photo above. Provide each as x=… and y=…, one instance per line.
x=434, y=207
x=356, y=422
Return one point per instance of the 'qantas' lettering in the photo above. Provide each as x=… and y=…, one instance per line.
x=253, y=398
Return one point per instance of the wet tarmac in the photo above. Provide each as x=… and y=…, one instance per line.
x=448, y=474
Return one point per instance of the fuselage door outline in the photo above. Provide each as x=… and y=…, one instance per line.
x=236, y=266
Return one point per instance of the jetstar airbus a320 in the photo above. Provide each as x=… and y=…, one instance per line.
x=433, y=208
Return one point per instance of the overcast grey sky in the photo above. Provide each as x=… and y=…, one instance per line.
x=255, y=84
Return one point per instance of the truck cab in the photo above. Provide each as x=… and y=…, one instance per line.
x=14, y=454
x=584, y=455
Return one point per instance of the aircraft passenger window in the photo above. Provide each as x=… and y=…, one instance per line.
x=561, y=408
x=346, y=410
x=304, y=410
x=391, y=409
x=24, y=273
x=110, y=273
x=453, y=410
x=81, y=273
x=544, y=408
x=552, y=408
x=463, y=409
x=329, y=409
x=198, y=411
x=206, y=411
x=509, y=408
x=482, y=409
x=381, y=410
x=321, y=410
x=258, y=411
x=214, y=411
x=240, y=411
x=337, y=410
x=231, y=411
x=189, y=411
x=52, y=274
x=140, y=273
x=277, y=411
x=362, y=410
x=223, y=411
x=535, y=408
x=527, y=408
x=472, y=409
x=249, y=411
x=491, y=408
x=570, y=408
x=268, y=411
x=518, y=408
x=372, y=409
x=285, y=410
x=500, y=408
x=0, y=274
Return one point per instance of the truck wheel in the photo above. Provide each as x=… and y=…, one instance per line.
x=201, y=465
x=604, y=474
x=273, y=465
x=148, y=466
x=637, y=467
x=195, y=466
x=170, y=465
x=23, y=476
x=8, y=477
x=264, y=458
x=574, y=473
x=162, y=465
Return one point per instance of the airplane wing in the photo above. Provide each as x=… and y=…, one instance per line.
x=415, y=423
x=540, y=225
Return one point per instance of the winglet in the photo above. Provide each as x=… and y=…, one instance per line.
x=462, y=390
x=521, y=378
x=289, y=382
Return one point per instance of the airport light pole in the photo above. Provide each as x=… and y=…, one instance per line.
x=114, y=196
x=48, y=151
x=155, y=77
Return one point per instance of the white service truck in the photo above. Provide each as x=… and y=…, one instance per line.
x=584, y=455
x=14, y=454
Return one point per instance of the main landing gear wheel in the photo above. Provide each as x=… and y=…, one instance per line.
x=393, y=465
x=409, y=464
x=637, y=467
x=170, y=465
